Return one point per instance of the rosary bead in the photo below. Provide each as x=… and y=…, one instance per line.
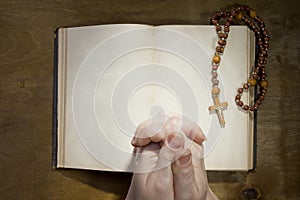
x=247, y=8
x=240, y=90
x=255, y=76
x=258, y=19
x=264, y=83
x=252, y=82
x=261, y=97
x=222, y=42
x=266, y=39
x=265, y=45
x=245, y=107
x=238, y=97
x=262, y=49
x=245, y=86
x=219, y=49
x=239, y=16
x=265, y=32
x=215, y=82
x=240, y=103
x=216, y=59
x=263, y=75
x=226, y=29
x=258, y=102
x=215, y=91
x=252, y=14
x=264, y=91
x=215, y=74
x=227, y=23
x=251, y=108
x=215, y=67
x=218, y=28
x=261, y=58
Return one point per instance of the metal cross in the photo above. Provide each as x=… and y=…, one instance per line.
x=218, y=107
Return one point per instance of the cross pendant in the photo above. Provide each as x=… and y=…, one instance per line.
x=218, y=107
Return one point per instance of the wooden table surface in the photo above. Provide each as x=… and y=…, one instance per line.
x=26, y=60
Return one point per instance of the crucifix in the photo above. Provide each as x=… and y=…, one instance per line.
x=218, y=107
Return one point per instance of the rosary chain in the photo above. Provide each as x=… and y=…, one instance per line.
x=258, y=76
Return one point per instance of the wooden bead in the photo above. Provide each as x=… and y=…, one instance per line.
x=215, y=67
x=258, y=102
x=222, y=42
x=215, y=74
x=263, y=91
x=216, y=59
x=215, y=81
x=264, y=83
x=252, y=14
x=215, y=91
x=219, y=49
x=261, y=98
x=239, y=16
x=238, y=97
x=245, y=86
x=245, y=107
x=240, y=90
x=252, y=82
x=226, y=30
x=240, y=103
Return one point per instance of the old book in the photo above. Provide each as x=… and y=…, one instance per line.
x=110, y=78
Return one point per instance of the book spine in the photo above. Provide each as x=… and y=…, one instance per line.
x=60, y=43
x=55, y=99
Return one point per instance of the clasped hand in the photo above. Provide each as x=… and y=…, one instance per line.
x=169, y=161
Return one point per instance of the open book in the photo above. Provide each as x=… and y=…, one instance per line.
x=110, y=78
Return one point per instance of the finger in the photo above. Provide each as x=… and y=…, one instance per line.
x=190, y=128
x=171, y=150
x=150, y=131
x=183, y=177
x=199, y=168
x=162, y=177
x=155, y=130
x=146, y=158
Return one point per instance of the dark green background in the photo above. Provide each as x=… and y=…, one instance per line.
x=26, y=77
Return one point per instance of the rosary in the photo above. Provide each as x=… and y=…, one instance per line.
x=258, y=76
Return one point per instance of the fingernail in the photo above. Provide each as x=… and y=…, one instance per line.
x=175, y=141
x=184, y=160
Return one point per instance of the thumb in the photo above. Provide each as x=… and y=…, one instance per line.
x=183, y=177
